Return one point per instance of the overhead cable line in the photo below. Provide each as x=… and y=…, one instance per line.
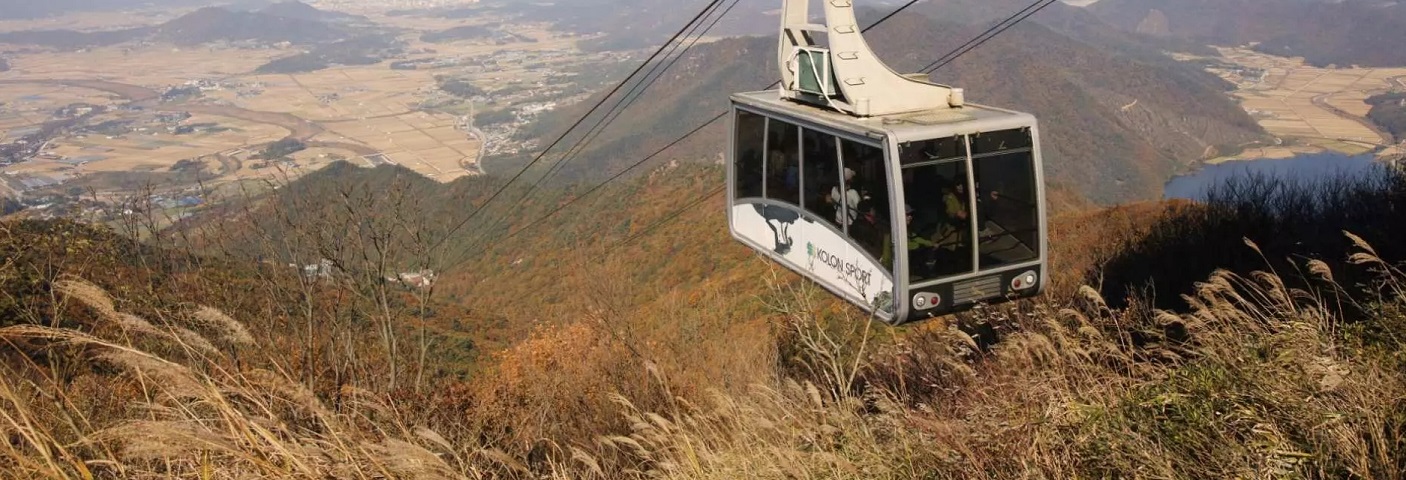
x=613, y=178
x=635, y=94
x=603, y=122
x=951, y=56
x=676, y=141
x=1018, y=17
x=712, y=4
x=672, y=216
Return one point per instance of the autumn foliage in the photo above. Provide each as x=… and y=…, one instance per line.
x=683, y=356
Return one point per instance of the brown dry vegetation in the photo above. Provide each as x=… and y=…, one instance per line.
x=126, y=360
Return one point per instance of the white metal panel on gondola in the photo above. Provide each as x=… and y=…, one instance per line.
x=814, y=247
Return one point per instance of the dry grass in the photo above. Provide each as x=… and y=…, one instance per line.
x=1268, y=386
x=1256, y=379
x=197, y=418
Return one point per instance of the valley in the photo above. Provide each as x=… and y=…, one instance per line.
x=1307, y=108
x=208, y=118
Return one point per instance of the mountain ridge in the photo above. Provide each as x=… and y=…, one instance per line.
x=206, y=25
x=1093, y=139
x=301, y=11
x=1348, y=32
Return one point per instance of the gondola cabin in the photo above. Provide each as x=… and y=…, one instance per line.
x=910, y=204
x=826, y=194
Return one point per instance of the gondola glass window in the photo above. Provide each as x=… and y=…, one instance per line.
x=938, y=208
x=821, y=177
x=1007, y=212
x=783, y=162
x=750, y=150
x=871, y=225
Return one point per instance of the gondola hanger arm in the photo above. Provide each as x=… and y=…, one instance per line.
x=845, y=74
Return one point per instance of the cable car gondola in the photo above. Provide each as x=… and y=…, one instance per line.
x=825, y=172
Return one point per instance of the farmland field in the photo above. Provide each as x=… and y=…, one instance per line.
x=365, y=114
x=1320, y=108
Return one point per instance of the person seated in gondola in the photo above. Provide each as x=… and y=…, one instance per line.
x=987, y=203
x=952, y=253
x=846, y=203
x=954, y=217
x=870, y=230
x=922, y=252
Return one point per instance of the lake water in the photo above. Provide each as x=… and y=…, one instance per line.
x=1307, y=167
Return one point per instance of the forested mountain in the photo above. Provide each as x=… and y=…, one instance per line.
x=1389, y=111
x=69, y=39
x=302, y=11
x=1118, y=121
x=1361, y=32
x=213, y=24
x=206, y=25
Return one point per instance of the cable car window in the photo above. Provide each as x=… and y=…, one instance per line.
x=751, y=131
x=938, y=216
x=932, y=150
x=1000, y=141
x=783, y=162
x=821, y=175
x=1007, y=209
x=867, y=189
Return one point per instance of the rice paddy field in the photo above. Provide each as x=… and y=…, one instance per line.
x=368, y=114
x=151, y=66
x=1321, y=107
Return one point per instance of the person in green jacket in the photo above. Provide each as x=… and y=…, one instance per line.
x=916, y=242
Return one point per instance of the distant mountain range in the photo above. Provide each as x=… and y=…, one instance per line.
x=291, y=22
x=212, y=24
x=1119, y=118
x=363, y=50
x=21, y=9
x=302, y=11
x=627, y=24
x=1342, y=32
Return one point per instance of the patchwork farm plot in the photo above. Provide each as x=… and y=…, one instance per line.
x=153, y=124
x=340, y=94
x=150, y=66
x=1324, y=107
x=154, y=149
x=429, y=143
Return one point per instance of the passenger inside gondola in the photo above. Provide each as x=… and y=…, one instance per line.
x=783, y=163
x=939, y=229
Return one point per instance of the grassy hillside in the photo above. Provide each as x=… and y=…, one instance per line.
x=679, y=356
x=1118, y=119
x=1354, y=32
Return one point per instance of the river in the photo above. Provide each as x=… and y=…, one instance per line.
x=1193, y=186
